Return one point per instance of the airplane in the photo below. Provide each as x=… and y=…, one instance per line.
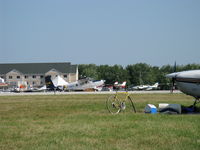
x=146, y=87
x=119, y=86
x=85, y=84
x=20, y=87
x=153, y=87
x=188, y=82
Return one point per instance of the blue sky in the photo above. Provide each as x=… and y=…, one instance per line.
x=156, y=32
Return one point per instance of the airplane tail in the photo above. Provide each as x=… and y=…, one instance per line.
x=156, y=84
x=124, y=83
x=49, y=83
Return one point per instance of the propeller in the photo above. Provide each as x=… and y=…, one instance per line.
x=173, y=79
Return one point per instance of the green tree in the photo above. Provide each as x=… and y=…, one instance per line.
x=112, y=73
x=89, y=70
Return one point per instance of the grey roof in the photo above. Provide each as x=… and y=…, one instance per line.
x=38, y=68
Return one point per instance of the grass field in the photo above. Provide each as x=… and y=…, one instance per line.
x=82, y=122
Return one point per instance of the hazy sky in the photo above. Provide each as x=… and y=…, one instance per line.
x=156, y=32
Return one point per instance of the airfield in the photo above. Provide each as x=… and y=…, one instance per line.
x=80, y=120
x=85, y=93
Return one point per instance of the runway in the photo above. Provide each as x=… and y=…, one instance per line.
x=85, y=93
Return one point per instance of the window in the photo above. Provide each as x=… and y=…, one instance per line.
x=26, y=77
x=33, y=83
x=65, y=76
x=41, y=76
x=10, y=77
x=18, y=77
x=41, y=83
x=33, y=76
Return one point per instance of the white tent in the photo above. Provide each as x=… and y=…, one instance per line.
x=59, y=81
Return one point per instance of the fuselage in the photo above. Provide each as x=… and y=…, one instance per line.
x=188, y=82
x=96, y=85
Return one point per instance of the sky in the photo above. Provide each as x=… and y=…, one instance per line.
x=123, y=32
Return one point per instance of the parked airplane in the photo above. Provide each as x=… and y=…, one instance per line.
x=118, y=86
x=80, y=85
x=188, y=82
x=146, y=87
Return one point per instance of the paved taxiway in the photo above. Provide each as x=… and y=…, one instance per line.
x=68, y=93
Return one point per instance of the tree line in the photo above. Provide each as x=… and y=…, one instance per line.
x=135, y=74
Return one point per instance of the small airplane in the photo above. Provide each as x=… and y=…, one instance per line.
x=119, y=86
x=85, y=84
x=188, y=82
x=20, y=87
x=146, y=87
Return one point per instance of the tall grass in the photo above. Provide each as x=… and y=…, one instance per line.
x=82, y=122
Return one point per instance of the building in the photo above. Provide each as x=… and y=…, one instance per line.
x=33, y=74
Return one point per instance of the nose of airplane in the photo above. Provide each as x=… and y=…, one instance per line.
x=172, y=75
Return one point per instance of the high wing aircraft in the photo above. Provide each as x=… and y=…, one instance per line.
x=80, y=85
x=188, y=82
x=146, y=87
x=117, y=85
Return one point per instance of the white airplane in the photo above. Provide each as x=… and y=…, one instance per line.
x=146, y=87
x=80, y=85
x=153, y=87
x=188, y=82
x=117, y=85
x=86, y=85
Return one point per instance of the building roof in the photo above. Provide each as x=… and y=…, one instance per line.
x=38, y=68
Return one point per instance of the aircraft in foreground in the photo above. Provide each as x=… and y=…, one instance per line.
x=146, y=87
x=188, y=82
x=85, y=84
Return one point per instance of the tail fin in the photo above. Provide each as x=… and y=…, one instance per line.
x=124, y=83
x=49, y=83
x=156, y=84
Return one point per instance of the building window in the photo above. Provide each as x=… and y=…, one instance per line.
x=18, y=77
x=33, y=83
x=41, y=83
x=26, y=77
x=33, y=76
x=65, y=76
x=10, y=77
x=41, y=76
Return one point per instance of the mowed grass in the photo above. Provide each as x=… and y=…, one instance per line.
x=82, y=122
